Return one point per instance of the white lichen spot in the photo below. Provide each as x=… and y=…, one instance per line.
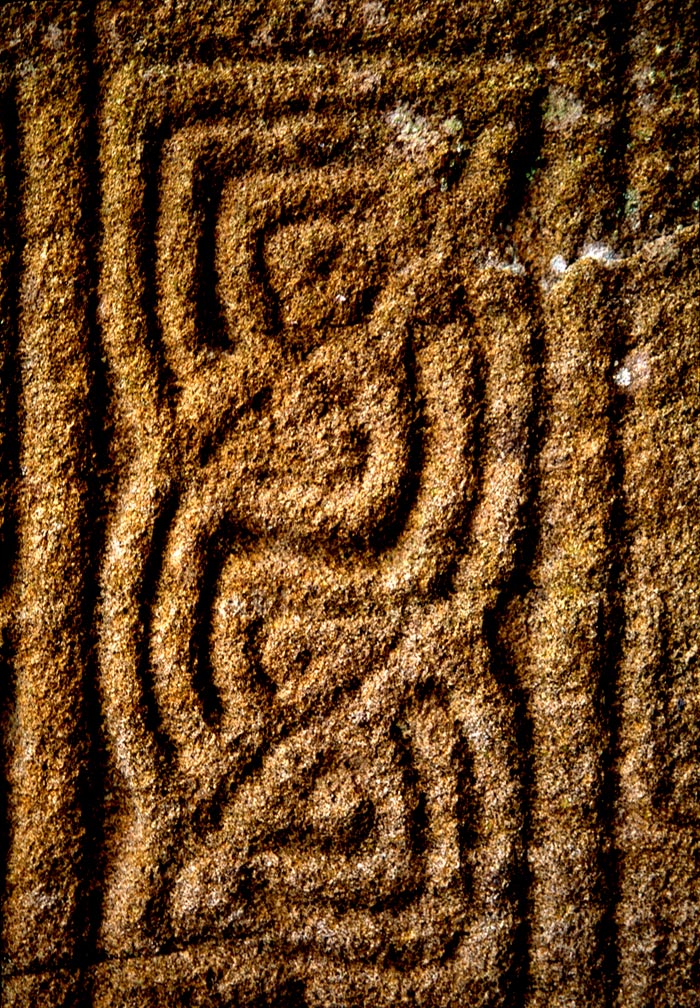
x=493, y=262
x=600, y=252
x=319, y=11
x=453, y=126
x=365, y=82
x=633, y=372
x=562, y=109
x=374, y=15
x=623, y=377
x=558, y=265
x=54, y=36
x=231, y=606
x=413, y=131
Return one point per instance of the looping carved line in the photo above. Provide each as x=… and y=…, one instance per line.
x=226, y=755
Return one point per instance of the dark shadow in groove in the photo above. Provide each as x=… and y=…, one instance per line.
x=10, y=377
x=172, y=852
x=504, y=670
x=229, y=536
x=386, y=534
x=504, y=663
x=202, y=675
x=11, y=236
x=459, y=534
x=95, y=464
x=524, y=159
x=7, y=703
x=269, y=306
x=480, y=371
x=610, y=654
x=467, y=810
x=617, y=24
x=206, y=199
x=147, y=591
x=417, y=814
x=228, y=421
x=145, y=225
x=253, y=652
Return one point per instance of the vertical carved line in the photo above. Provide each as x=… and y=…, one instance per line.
x=567, y=630
x=128, y=564
x=7, y=253
x=42, y=915
x=8, y=410
x=659, y=734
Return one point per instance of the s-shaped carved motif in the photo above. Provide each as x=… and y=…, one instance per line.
x=315, y=521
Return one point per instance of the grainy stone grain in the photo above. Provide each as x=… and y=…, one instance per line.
x=349, y=503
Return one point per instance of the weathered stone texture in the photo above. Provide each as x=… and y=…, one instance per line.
x=349, y=503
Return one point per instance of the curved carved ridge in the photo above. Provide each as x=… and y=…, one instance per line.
x=289, y=475
x=348, y=505
x=567, y=647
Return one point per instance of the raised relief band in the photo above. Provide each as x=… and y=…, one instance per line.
x=334, y=450
x=348, y=506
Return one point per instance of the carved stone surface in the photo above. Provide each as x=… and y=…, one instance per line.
x=349, y=499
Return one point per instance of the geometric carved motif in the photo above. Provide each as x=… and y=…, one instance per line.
x=282, y=757
x=348, y=444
